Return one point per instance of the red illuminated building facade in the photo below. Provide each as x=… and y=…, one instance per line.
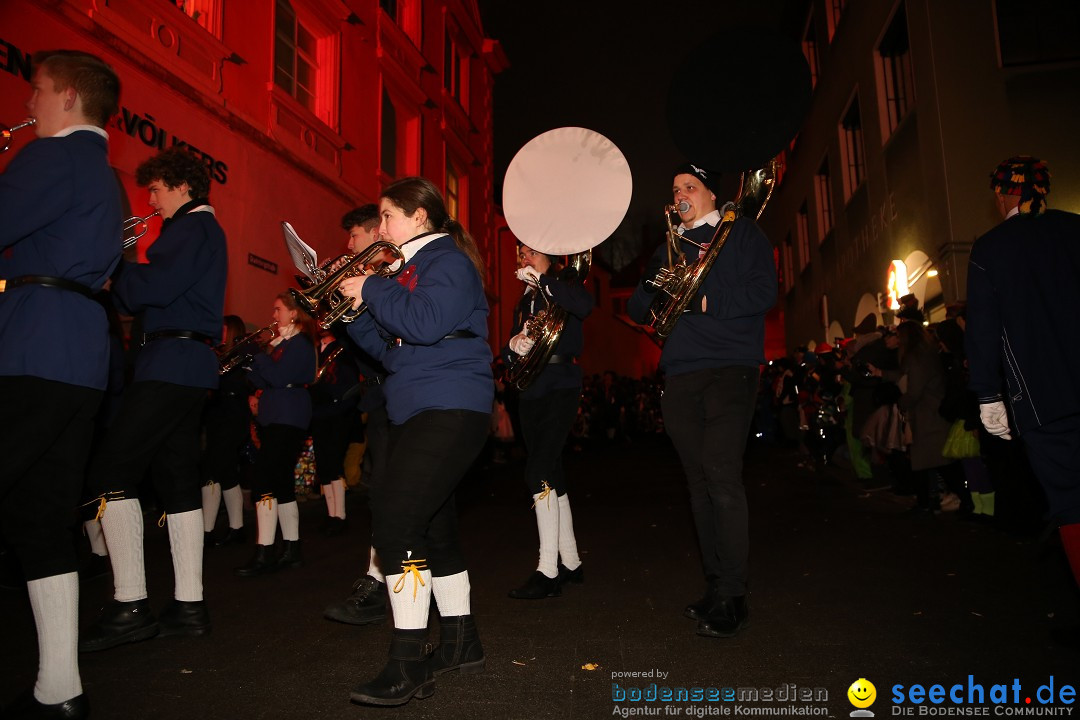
x=302, y=109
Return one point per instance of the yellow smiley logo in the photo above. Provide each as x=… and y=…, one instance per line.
x=862, y=693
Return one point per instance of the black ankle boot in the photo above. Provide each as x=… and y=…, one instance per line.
x=235, y=536
x=405, y=676
x=727, y=615
x=366, y=604
x=185, y=617
x=459, y=647
x=537, y=587
x=120, y=622
x=261, y=563
x=290, y=555
x=566, y=575
x=26, y=706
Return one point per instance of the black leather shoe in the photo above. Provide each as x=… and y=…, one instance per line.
x=698, y=610
x=335, y=526
x=183, y=617
x=235, y=536
x=261, y=563
x=726, y=616
x=365, y=606
x=566, y=575
x=290, y=555
x=537, y=587
x=459, y=647
x=120, y=622
x=405, y=676
x=27, y=707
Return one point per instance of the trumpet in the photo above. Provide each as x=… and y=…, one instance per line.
x=326, y=292
x=6, y=133
x=133, y=222
x=242, y=348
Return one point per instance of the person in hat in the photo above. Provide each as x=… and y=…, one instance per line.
x=1023, y=279
x=711, y=361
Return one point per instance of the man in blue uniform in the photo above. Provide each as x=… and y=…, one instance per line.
x=60, y=218
x=711, y=361
x=181, y=293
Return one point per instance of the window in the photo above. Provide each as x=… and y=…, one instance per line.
x=789, y=276
x=834, y=10
x=456, y=71
x=810, y=49
x=456, y=189
x=802, y=232
x=823, y=201
x=399, y=136
x=406, y=15
x=896, y=83
x=853, y=158
x=306, y=61
x=1037, y=31
x=388, y=136
x=206, y=13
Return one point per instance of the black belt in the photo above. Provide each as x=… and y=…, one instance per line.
x=562, y=360
x=180, y=334
x=54, y=282
x=456, y=335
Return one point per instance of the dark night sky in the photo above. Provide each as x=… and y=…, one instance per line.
x=607, y=65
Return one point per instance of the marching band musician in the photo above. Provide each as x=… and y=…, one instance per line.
x=282, y=419
x=181, y=293
x=428, y=327
x=331, y=419
x=547, y=409
x=711, y=361
x=60, y=224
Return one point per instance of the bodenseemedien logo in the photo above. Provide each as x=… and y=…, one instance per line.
x=861, y=694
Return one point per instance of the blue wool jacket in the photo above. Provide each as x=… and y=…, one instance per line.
x=739, y=290
x=1023, y=277
x=438, y=293
x=283, y=375
x=60, y=216
x=182, y=287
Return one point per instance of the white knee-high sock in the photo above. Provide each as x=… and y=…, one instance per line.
x=339, y=498
x=547, y=526
x=289, y=517
x=96, y=536
x=373, y=568
x=266, y=518
x=328, y=495
x=567, y=542
x=122, y=523
x=55, y=602
x=410, y=599
x=186, y=542
x=234, y=506
x=452, y=594
x=211, y=502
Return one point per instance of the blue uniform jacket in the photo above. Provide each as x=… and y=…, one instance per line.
x=283, y=375
x=1023, y=277
x=438, y=293
x=740, y=290
x=60, y=216
x=340, y=376
x=182, y=287
x=569, y=293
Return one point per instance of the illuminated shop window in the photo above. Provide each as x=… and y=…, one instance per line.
x=852, y=154
x=810, y=48
x=896, y=83
x=456, y=70
x=306, y=60
x=823, y=201
x=802, y=232
x=789, y=275
x=206, y=13
x=834, y=11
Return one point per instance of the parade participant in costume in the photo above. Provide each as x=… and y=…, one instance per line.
x=711, y=361
x=547, y=408
x=181, y=293
x=282, y=419
x=428, y=327
x=226, y=426
x=60, y=223
x=1022, y=280
x=332, y=418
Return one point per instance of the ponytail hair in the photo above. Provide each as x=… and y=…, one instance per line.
x=306, y=322
x=412, y=193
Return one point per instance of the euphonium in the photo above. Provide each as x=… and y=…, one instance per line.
x=326, y=363
x=241, y=349
x=677, y=285
x=133, y=222
x=6, y=133
x=545, y=328
x=326, y=292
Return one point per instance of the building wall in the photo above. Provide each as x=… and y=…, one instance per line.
x=210, y=84
x=925, y=196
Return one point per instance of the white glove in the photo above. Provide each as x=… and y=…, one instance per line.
x=528, y=275
x=995, y=419
x=521, y=343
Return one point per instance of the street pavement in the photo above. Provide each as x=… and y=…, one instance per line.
x=845, y=584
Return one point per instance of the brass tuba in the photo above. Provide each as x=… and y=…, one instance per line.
x=7, y=132
x=565, y=192
x=677, y=285
x=241, y=349
x=325, y=302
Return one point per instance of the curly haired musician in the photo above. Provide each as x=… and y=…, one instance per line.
x=181, y=293
x=428, y=327
x=60, y=220
x=711, y=361
x=547, y=409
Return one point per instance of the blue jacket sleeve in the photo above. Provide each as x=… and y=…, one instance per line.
x=751, y=290
x=569, y=294
x=174, y=267
x=638, y=305
x=982, y=334
x=364, y=333
x=296, y=366
x=40, y=170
